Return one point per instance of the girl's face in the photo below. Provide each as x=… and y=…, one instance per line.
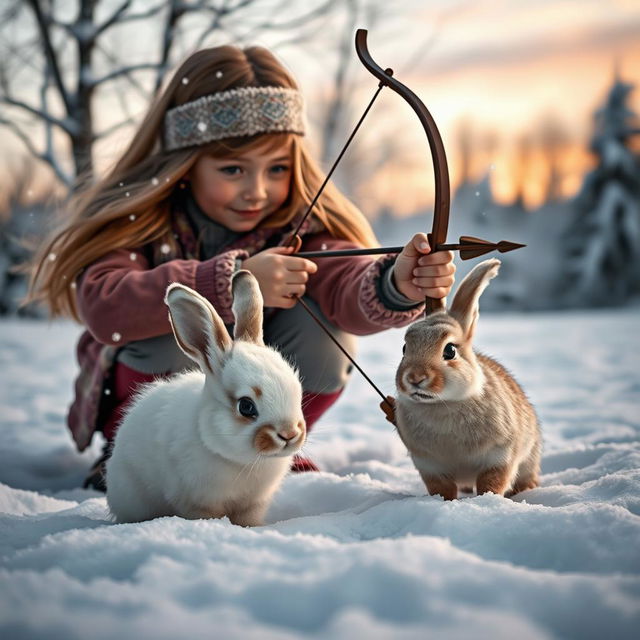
x=240, y=192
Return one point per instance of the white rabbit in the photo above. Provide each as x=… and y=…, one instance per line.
x=215, y=442
x=464, y=419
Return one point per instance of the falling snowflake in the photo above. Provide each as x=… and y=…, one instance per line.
x=155, y=182
x=477, y=193
x=52, y=256
x=121, y=184
x=133, y=256
x=218, y=74
x=107, y=392
x=165, y=248
x=116, y=337
x=73, y=285
x=323, y=246
x=127, y=194
x=185, y=80
x=202, y=126
x=132, y=217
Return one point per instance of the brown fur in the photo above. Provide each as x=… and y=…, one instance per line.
x=480, y=429
x=440, y=485
x=495, y=480
x=263, y=441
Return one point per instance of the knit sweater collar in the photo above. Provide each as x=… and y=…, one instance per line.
x=211, y=236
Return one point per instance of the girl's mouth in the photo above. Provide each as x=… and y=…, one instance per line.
x=248, y=213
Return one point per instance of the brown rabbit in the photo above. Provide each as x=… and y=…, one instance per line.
x=464, y=419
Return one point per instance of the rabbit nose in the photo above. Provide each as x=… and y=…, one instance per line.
x=287, y=435
x=416, y=379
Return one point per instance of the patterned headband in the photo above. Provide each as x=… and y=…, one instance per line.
x=234, y=113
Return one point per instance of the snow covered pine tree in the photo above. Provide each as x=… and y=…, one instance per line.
x=602, y=243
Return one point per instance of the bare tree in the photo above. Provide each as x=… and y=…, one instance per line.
x=380, y=142
x=72, y=58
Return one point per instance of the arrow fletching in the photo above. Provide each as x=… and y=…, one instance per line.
x=471, y=247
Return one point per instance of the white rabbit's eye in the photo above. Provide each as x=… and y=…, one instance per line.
x=404, y=349
x=247, y=408
x=449, y=352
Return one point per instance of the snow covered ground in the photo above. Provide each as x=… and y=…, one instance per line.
x=357, y=551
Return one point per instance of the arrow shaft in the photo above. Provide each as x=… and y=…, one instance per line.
x=377, y=251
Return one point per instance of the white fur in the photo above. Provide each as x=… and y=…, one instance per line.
x=183, y=448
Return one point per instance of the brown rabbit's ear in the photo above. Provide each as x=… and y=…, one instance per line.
x=465, y=307
x=197, y=327
x=247, y=307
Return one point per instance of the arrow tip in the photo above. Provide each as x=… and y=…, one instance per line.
x=504, y=246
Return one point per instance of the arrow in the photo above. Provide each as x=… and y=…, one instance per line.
x=469, y=247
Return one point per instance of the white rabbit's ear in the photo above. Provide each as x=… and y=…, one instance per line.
x=247, y=307
x=465, y=308
x=197, y=327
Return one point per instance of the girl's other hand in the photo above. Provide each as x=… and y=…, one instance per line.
x=418, y=273
x=282, y=277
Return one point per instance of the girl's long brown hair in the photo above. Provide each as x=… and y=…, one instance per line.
x=130, y=206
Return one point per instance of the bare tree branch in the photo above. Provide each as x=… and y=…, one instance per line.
x=119, y=125
x=115, y=17
x=176, y=9
x=143, y=15
x=64, y=56
x=130, y=78
x=50, y=160
x=124, y=71
x=50, y=54
x=66, y=125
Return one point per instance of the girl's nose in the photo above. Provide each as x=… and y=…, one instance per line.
x=255, y=189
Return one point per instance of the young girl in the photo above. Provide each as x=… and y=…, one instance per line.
x=216, y=178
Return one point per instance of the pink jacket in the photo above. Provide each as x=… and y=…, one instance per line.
x=120, y=299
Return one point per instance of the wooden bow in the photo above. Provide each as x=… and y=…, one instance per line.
x=468, y=246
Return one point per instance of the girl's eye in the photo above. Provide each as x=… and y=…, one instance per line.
x=247, y=408
x=280, y=168
x=232, y=170
x=449, y=352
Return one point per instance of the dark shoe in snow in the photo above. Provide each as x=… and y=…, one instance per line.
x=96, y=479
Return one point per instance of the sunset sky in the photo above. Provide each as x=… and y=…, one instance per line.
x=500, y=66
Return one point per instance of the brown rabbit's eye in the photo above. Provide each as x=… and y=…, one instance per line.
x=247, y=408
x=449, y=351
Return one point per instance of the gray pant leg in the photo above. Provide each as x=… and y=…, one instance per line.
x=323, y=367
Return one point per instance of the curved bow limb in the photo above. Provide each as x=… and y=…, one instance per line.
x=442, y=201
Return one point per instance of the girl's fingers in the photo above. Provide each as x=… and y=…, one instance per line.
x=435, y=271
x=418, y=245
x=439, y=257
x=301, y=264
x=439, y=292
x=296, y=277
x=431, y=283
x=294, y=291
